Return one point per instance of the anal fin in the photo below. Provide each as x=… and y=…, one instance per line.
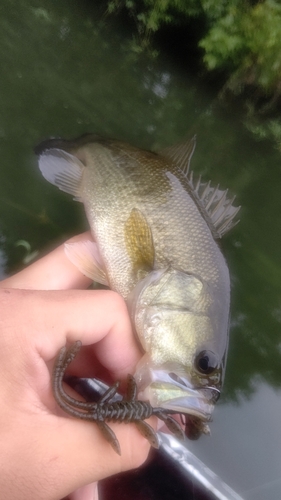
x=86, y=256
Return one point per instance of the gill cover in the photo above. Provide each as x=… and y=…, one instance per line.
x=168, y=309
x=174, y=317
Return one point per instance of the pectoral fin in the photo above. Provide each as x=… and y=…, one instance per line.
x=139, y=242
x=85, y=255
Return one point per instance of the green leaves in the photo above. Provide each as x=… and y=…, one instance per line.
x=241, y=41
x=248, y=40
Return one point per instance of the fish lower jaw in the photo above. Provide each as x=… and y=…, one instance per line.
x=177, y=393
x=190, y=404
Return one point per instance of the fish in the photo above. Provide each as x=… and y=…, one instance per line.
x=155, y=230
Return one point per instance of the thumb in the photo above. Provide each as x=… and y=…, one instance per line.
x=57, y=455
x=54, y=453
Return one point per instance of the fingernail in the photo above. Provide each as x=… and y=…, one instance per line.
x=96, y=492
x=160, y=425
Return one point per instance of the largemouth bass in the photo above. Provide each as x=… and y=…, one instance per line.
x=154, y=229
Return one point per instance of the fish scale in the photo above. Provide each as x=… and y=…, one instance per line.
x=181, y=211
x=155, y=228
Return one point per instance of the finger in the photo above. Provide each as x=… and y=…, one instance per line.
x=49, y=319
x=52, y=272
x=69, y=454
x=94, y=449
x=88, y=492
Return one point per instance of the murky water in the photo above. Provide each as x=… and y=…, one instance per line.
x=66, y=70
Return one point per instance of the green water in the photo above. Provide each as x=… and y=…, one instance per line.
x=66, y=70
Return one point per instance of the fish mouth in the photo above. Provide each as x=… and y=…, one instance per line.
x=169, y=391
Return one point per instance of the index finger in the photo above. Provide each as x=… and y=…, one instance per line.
x=52, y=272
x=49, y=319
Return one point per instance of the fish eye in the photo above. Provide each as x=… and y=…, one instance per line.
x=206, y=362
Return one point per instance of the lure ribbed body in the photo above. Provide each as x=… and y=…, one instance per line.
x=127, y=410
x=122, y=411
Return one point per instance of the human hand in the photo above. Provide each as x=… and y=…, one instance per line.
x=44, y=454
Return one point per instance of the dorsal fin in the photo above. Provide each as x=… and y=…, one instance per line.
x=216, y=204
x=181, y=153
x=212, y=201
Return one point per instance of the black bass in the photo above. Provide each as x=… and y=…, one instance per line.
x=155, y=229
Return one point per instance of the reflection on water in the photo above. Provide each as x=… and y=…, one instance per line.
x=254, y=455
x=66, y=71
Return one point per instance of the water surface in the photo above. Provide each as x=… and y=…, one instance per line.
x=66, y=70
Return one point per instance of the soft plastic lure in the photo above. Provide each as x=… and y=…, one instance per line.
x=105, y=410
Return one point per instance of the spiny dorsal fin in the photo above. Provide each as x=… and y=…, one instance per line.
x=181, y=154
x=213, y=201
